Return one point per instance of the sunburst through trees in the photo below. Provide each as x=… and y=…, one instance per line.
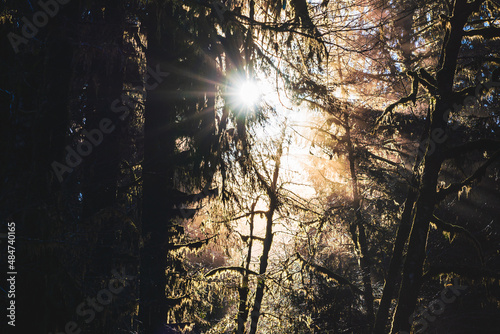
x=282, y=166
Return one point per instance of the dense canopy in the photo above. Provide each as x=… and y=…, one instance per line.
x=226, y=166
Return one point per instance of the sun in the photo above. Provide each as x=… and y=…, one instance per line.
x=248, y=93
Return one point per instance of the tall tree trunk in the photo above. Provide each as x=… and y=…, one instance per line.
x=402, y=235
x=359, y=238
x=102, y=38
x=424, y=206
x=158, y=178
x=396, y=261
x=413, y=267
x=404, y=228
x=33, y=130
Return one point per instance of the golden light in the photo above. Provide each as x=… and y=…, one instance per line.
x=248, y=94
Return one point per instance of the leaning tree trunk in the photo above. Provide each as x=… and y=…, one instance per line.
x=396, y=260
x=403, y=232
x=424, y=206
x=402, y=235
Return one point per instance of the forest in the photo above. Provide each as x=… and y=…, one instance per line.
x=250, y=166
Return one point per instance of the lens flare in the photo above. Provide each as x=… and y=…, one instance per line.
x=248, y=94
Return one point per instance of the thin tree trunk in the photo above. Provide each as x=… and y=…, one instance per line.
x=268, y=240
x=360, y=240
x=264, y=259
x=243, y=291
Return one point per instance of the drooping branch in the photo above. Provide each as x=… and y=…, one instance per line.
x=176, y=300
x=192, y=245
x=376, y=157
x=240, y=270
x=245, y=238
x=330, y=274
x=247, y=214
x=410, y=98
x=303, y=17
x=460, y=96
x=179, y=197
x=428, y=78
x=300, y=21
x=428, y=82
x=488, y=32
x=469, y=272
x=441, y=224
x=481, y=144
x=477, y=175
